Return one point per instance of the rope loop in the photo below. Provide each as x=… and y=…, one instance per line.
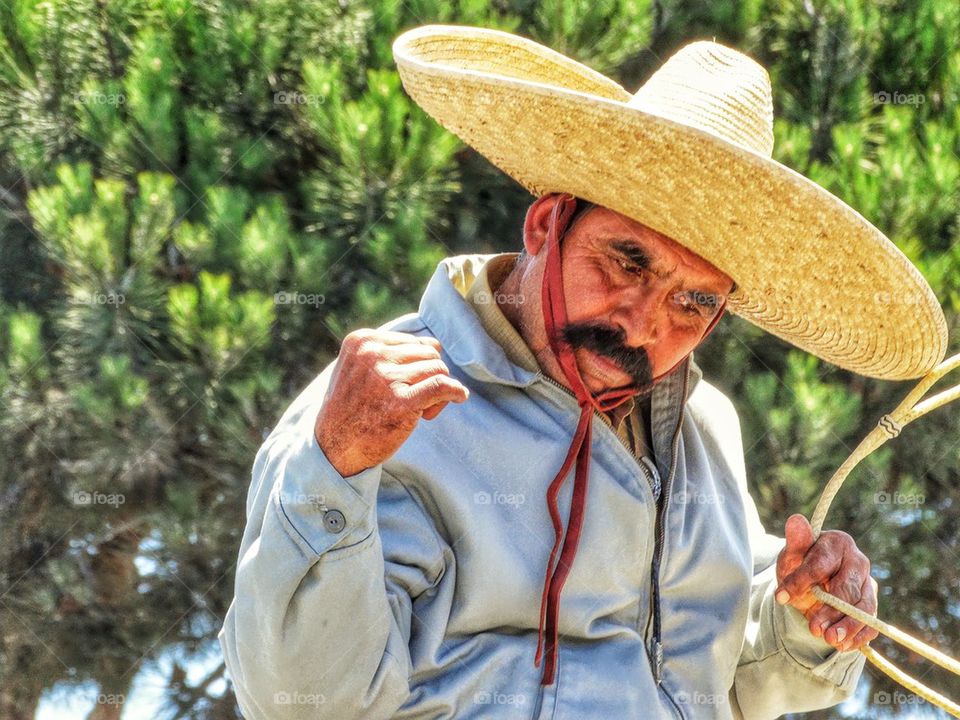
x=888, y=427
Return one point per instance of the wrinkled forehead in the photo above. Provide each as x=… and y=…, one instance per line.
x=605, y=227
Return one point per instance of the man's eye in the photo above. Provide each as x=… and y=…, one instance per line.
x=687, y=305
x=630, y=267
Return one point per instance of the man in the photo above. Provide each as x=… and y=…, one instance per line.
x=416, y=547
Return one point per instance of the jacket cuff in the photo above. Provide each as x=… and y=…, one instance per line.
x=321, y=509
x=814, y=653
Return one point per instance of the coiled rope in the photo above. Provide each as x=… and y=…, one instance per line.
x=889, y=427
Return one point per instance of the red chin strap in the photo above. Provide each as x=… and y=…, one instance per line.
x=554, y=319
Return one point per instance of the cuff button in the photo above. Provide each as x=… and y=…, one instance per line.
x=334, y=521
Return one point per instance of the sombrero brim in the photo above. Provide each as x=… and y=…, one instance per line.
x=809, y=268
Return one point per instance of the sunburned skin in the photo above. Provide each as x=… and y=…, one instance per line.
x=637, y=302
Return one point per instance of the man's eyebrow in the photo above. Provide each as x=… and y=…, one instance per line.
x=639, y=255
x=635, y=254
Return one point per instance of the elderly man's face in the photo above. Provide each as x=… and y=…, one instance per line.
x=637, y=302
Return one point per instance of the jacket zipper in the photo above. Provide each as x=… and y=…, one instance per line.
x=606, y=421
x=655, y=653
x=658, y=551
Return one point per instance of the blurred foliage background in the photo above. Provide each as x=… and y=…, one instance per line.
x=199, y=199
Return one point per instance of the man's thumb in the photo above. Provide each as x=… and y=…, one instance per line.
x=799, y=535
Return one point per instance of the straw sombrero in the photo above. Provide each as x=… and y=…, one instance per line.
x=689, y=155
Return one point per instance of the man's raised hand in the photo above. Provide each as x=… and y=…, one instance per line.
x=383, y=382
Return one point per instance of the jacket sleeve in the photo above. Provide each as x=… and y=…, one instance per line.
x=319, y=628
x=783, y=667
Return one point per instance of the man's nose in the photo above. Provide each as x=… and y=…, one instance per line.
x=640, y=311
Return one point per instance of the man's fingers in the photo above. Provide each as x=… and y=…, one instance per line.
x=799, y=537
x=840, y=633
x=845, y=632
x=822, y=619
x=798, y=534
x=388, y=344
x=413, y=372
x=409, y=352
x=862, y=638
x=847, y=585
x=431, y=412
x=432, y=390
x=819, y=565
x=389, y=337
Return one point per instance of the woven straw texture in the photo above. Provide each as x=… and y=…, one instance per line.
x=688, y=155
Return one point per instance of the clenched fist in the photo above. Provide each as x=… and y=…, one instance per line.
x=383, y=382
x=835, y=562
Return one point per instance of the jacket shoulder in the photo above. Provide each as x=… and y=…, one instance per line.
x=718, y=424
x=410, y=323
x=711, y=405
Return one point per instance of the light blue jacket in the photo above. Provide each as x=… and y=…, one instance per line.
x=412, y=589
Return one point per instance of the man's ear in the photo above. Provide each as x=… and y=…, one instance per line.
x=537, y=221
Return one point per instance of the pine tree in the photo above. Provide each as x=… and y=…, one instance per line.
x=199, y=199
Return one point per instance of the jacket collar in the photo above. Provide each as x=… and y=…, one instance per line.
x=451, y=319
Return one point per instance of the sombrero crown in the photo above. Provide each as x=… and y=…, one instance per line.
x=689, y=155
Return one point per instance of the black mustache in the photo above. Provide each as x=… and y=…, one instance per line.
x=610, y=342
